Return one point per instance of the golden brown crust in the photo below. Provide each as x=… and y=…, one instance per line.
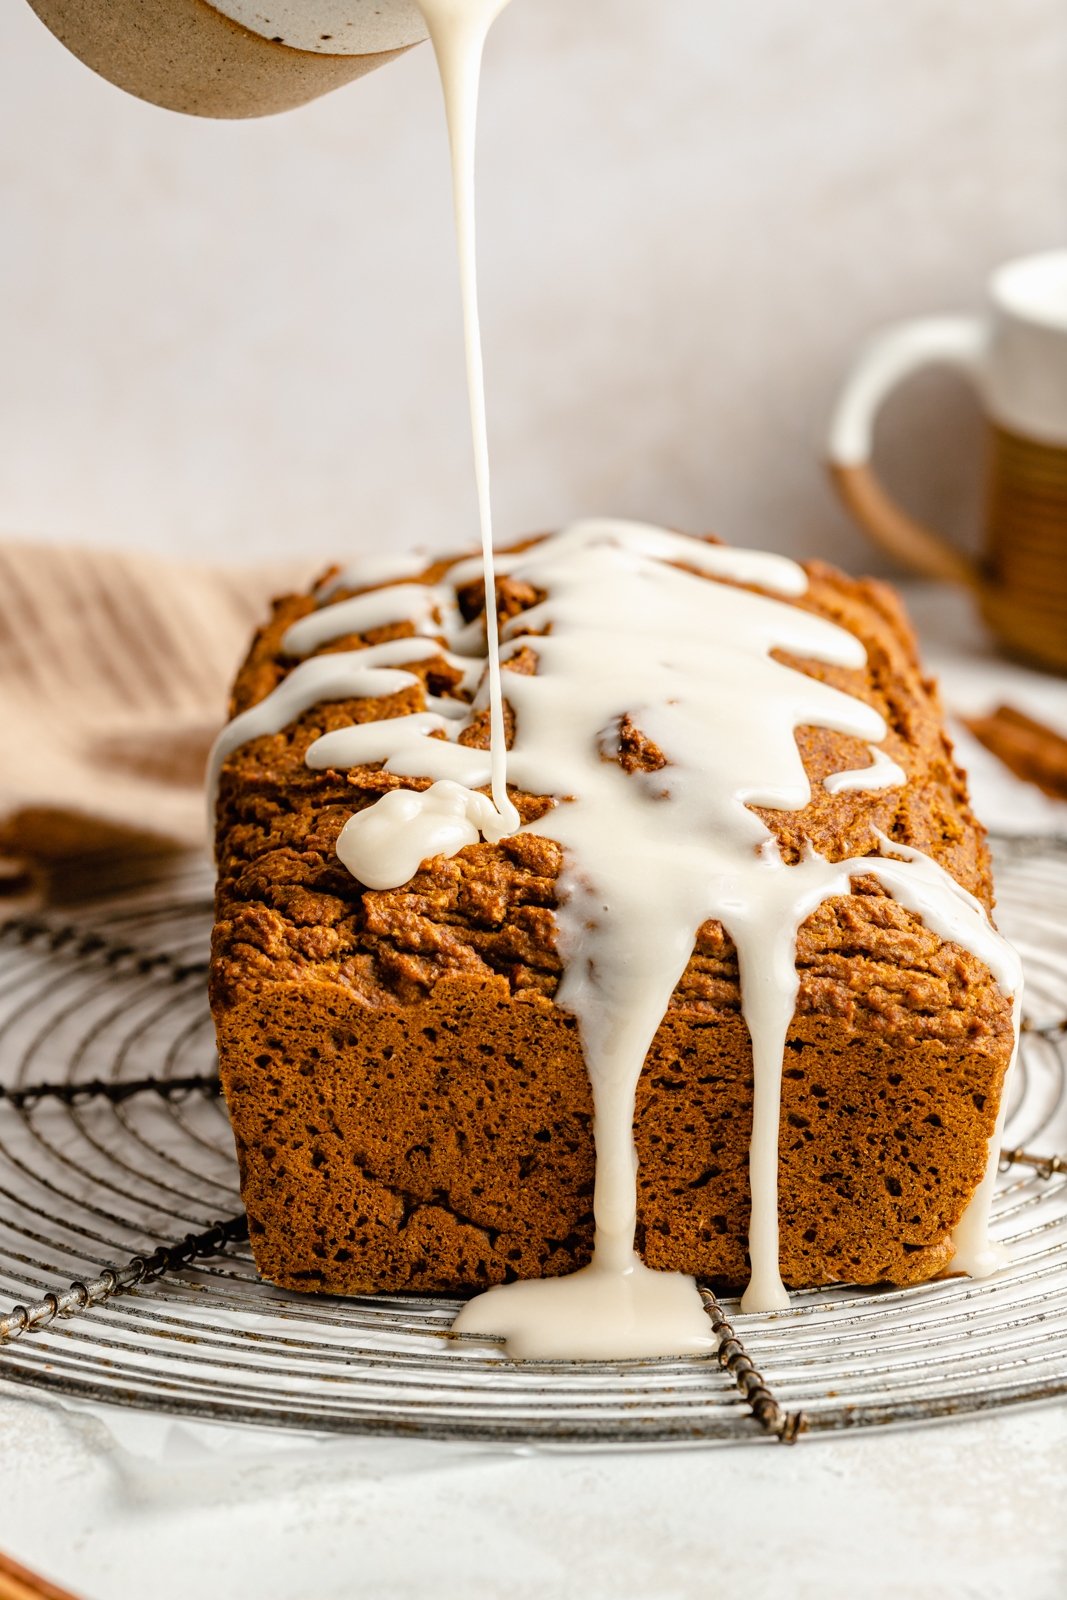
x=468, y=1154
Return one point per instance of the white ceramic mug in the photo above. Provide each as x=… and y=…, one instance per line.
x=1015, y=353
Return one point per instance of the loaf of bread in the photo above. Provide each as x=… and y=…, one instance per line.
x=410, y=1105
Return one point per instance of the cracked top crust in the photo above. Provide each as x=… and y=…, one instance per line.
x=289, y=913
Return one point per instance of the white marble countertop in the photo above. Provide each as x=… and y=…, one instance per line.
x=116, y=1504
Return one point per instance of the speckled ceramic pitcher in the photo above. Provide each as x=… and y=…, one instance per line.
x=233, y=58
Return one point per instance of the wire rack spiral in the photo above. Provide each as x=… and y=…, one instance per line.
x=116, y=1157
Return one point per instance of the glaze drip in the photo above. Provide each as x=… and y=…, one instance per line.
x=643, y=624
x=458, y=30
x=636, y=624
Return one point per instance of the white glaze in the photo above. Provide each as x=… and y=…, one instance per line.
x=883, y=773
x=372, y=569
x=596, y=1314
x=975, y=1253
x=348, y=675
x=625, y=629
x=458, y=30
x=385, y=845
x=402, y=602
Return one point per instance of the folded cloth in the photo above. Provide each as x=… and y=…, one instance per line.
x=114, y=673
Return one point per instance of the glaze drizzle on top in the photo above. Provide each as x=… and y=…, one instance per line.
x=641, y=623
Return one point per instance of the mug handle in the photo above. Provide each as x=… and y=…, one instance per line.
x=959, y=342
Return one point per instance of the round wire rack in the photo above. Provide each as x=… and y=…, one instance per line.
x=118, y=1178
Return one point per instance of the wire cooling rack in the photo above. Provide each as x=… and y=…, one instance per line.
x=117, y=1178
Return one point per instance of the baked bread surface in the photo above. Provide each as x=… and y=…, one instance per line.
x=411, y=1108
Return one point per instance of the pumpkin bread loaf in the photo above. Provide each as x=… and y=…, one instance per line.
x=410, y=1106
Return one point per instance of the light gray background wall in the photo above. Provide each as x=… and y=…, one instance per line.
x=244, y=338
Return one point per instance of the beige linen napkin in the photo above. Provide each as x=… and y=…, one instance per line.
x=114, y=675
